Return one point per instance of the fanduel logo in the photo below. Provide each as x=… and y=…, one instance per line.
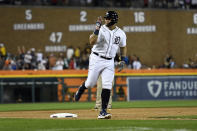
x=154, y=88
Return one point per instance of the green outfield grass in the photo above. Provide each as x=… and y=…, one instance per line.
x=96, y=125
x=19, y=124
x=179, y=117
x=89, y=105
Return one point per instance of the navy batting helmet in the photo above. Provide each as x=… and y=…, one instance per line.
x=113, y=16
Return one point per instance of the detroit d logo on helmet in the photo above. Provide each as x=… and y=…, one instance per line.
x=154, y=88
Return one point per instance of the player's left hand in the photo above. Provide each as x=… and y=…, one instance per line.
x=121, y=65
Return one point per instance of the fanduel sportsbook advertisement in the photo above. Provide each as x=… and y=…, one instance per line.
x=162, y=87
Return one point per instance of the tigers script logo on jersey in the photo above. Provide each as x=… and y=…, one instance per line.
x=117, y=40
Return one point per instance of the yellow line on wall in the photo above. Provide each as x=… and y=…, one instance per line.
x=85, y=75
x=155, y=74
x=43, y=76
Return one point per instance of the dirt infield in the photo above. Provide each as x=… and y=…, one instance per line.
x=117, y=114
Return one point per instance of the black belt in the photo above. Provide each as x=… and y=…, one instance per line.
x=102, y=56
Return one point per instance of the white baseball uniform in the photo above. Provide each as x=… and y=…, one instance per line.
x=101, y=61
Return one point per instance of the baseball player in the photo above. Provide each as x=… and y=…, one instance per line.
x=106, y=39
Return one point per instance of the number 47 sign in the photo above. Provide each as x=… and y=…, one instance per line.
x=55, y=37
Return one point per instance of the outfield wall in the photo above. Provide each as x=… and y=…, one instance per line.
x=47, y=86
x=151, y=34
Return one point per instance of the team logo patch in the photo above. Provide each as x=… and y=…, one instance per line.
x=117, y=40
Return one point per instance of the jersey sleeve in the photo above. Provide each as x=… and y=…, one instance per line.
x=123, y=40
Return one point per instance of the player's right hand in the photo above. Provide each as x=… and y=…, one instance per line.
x=99, y=23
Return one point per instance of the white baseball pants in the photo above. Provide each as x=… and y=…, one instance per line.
x=100, y=66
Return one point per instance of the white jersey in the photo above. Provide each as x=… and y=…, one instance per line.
x=109, y=41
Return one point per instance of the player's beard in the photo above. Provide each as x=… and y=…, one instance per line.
x=110, y=24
